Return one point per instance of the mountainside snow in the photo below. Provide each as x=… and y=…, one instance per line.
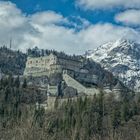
x=122, y=58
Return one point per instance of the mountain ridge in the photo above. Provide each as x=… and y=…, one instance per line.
x=121, y=57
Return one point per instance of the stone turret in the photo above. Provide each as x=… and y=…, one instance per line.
x=53, y=90
x=118, y=88
x=95, y=79
x=107, y=88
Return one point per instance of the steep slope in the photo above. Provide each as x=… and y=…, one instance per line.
x=122, y=58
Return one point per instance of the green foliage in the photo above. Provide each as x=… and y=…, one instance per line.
x=87, y=118
x=12, y=62
x=10, y=104
x=17, y=82
x=116, y=117
x=83, y=118
x=39, y=117
x=125, y=111
x=12, y=101
x=24, y=83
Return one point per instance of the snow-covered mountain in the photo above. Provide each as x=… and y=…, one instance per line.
x=122, y=58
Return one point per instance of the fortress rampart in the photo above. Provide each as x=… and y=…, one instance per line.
x=37, y=66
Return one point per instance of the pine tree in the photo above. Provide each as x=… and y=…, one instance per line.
x=115, y=118
x=17, y=82
x=100, y=112
x=24, y=83
x=125, y=111
x=56, y=103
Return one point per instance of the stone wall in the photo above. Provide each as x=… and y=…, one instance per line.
x=80, y=88
x=50, y=64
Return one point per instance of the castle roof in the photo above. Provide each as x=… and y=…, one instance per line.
x=59, y=55
x=118, y=86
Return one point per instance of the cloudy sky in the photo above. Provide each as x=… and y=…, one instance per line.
x=73, y=26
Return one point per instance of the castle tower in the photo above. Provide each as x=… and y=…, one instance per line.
x=95, y=79
x=118, y=90
x=107, y=88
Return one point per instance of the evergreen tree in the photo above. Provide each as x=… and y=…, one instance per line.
x=17, y=82
x=24, y=83
x=100, y=114
x=116, y=118
x=125, y=111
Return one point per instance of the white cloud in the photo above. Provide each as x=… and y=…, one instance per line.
x=129, y=17
x=14, y=24
x=99, y=34
x=47, y=17
x=99, y=4
x=45, y=30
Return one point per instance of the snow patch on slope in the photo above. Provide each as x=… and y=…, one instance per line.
x=122, y=58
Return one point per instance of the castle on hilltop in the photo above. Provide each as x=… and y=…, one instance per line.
x=73, y=70
x=52, y=63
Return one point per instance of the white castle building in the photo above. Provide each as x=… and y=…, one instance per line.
x=74, y=75
x=39, y=66
x=71, y=68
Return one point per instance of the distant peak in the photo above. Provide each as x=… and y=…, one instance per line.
x=124, y=40
x=121, y=57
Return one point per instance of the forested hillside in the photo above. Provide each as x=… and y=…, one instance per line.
x=97, y=118
x=12, y=62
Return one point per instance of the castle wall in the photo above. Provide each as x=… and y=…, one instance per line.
x=70, y=64
x=53, y=90
x=50, y=64
x=80, y=88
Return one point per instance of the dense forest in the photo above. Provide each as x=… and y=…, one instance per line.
x=98, y=118
x=12, y=62
x=101, y=117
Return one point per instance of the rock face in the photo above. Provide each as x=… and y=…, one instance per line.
x=122, y=58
